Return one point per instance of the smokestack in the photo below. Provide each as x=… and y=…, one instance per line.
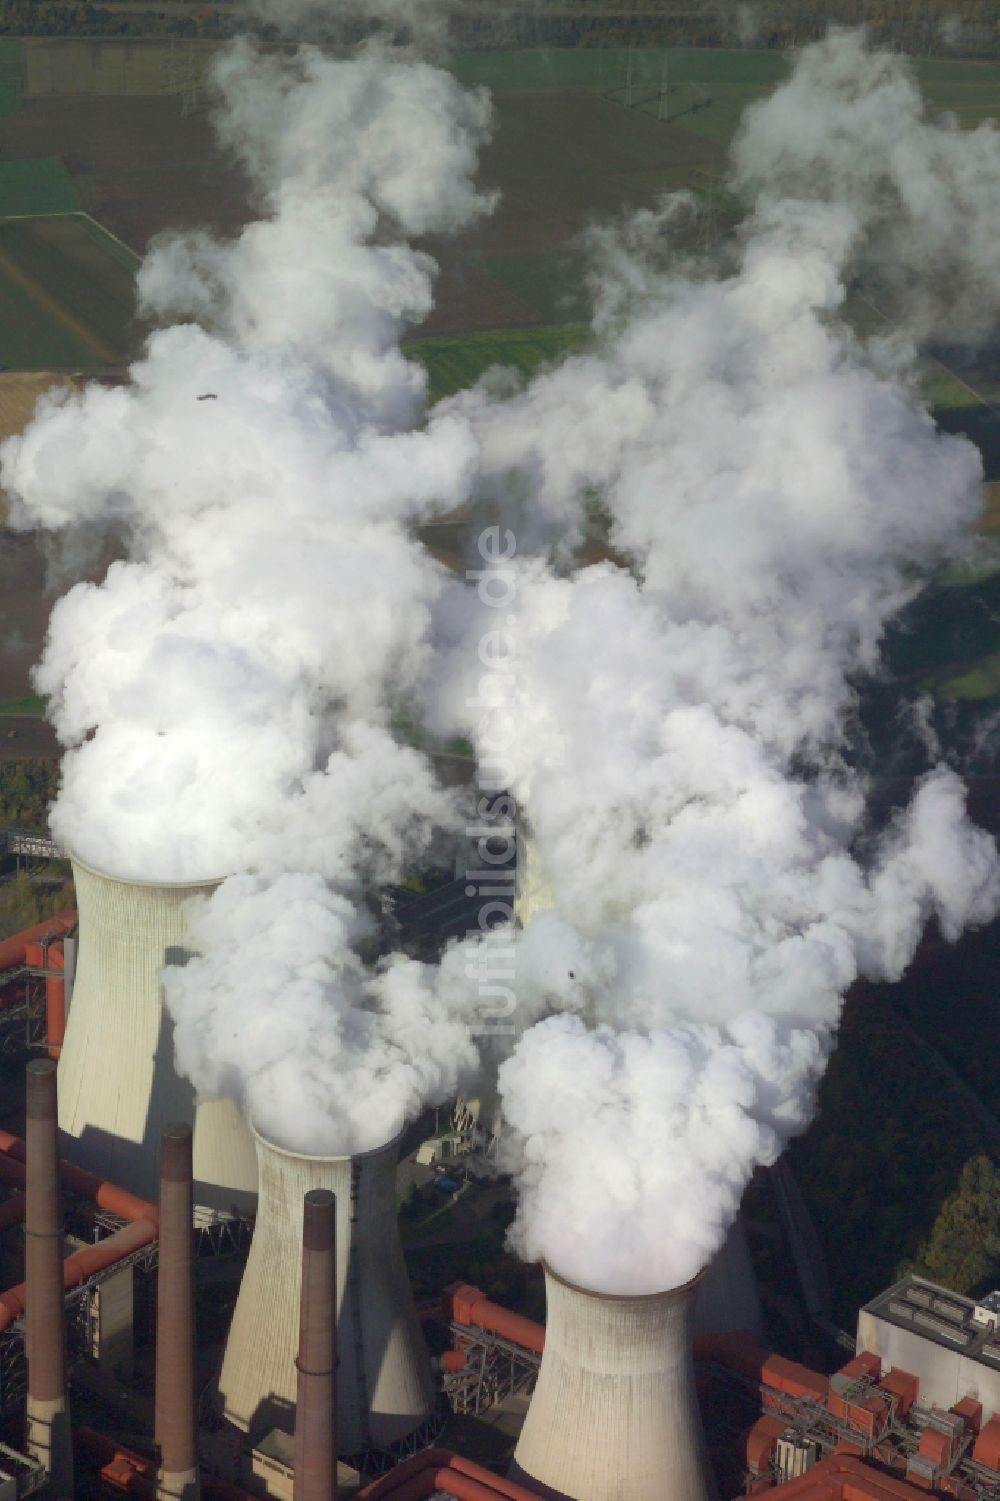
x=614, y=1411
x=383, y=1388
x=49, y=1438
x=175, y=1417
x=118, y=1029
x=316, y=1396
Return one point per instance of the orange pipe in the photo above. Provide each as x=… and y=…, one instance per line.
x=441, y=1470
x=105, y=1195
x=83, y=1264
x=141, y=1230
x=466, y=1305
x=496, y=1482
x=55, y=1002
x=395, y=1477
x=12, y=950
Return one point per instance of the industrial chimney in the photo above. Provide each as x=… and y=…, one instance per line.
x=384, y=1389
x=49, y=1438
x=175, y=1422
x=614, y=1412
x=117, y=1084
x=315, y=1468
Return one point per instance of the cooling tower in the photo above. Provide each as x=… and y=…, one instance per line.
x=614, y=1415
x=384, y=1389
x=117, y=1084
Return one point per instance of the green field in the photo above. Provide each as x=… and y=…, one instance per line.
x=70, y=65
x=454, y=364
x=28, y=707
x=11, y=75
x=36, y=185
x=704, y=90
x=66, y=294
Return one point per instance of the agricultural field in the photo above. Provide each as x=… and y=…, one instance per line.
x=455, y=364
x=62, y=66
x=66, y=294
x=700, y=89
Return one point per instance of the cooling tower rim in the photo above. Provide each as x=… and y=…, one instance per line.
x=199, y=883
x=682, y=1291
x=272, y=1146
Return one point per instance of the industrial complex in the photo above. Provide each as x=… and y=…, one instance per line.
x=330, y=1378
x=190, y=1306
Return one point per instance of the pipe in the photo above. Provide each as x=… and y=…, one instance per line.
x=12, y=950
x=77, y=1180
x=175, y=1423
x=49, y=1438
x=315, y=1455
x=441, y=1470
x=55, y=1001
x=82, y=1265
x=464, y=1304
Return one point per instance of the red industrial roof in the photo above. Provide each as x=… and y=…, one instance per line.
x=844, y=1477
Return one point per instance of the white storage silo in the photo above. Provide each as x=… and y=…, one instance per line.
x=118, y=1086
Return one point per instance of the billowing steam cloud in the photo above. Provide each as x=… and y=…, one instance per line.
x=675, y=729
x=850, y=128
x=371, y=1064
x=225, y=695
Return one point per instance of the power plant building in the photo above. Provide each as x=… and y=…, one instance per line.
x=951, y=1343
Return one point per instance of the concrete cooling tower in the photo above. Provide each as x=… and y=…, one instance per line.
x=117, y=1084
x=384, y=1387
x=614, y=1416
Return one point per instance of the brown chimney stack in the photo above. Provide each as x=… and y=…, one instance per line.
x=315, y=1405
x=175, y=1418
x=49, y=1438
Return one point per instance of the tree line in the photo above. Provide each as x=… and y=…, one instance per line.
x=52, y=18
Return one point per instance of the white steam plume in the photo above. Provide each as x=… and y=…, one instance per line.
x=226, y=694
x=851, y=127
x=676, y=731
x=326, y=1054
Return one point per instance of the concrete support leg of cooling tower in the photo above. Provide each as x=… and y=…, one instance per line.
x=175, y=1417
x=614, y=1415
x=316, y=1366
x=49, y=1436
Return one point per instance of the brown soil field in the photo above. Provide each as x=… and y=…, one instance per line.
x=561, y=160
x=141, y=165
x=25, y=603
